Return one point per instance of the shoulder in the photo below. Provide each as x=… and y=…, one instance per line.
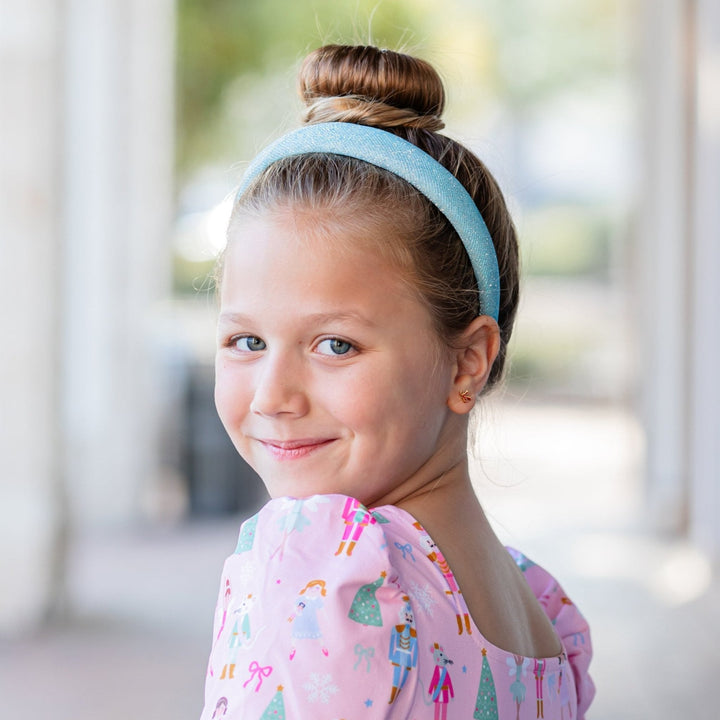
x=570, y=624
x=321, y=599
x=289, y=534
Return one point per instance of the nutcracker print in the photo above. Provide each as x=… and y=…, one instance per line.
x=539, y=672
x=453, y=591
x=357, y=517
x=441, y=687
x=403, y=653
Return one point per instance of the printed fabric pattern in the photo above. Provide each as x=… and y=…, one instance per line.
x=330, y=610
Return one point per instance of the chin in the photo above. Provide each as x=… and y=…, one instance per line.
x=299, y=487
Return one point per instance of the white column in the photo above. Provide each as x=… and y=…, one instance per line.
x=85, y=206
x=118, y=191
x=679, y=263
x=661, y=266
x=30, y=148
x=705, y=337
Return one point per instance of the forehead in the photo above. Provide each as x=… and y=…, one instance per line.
x=316, y=249
x=353, y=224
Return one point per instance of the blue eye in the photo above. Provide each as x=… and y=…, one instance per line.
x=249, y=343
x=334, y=346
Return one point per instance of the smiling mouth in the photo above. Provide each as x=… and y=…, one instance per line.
x=294, y=449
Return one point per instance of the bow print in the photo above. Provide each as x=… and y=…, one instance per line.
x=361, y=653
x=406, y=548
x=257, y=672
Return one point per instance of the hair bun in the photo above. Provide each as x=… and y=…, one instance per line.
x=369, y=86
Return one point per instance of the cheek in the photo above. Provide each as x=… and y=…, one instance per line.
x=367, y=397
x=424, y=384
x=230, y=394
x=408, y=394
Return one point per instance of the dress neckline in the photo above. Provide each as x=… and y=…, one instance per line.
x=407, y=521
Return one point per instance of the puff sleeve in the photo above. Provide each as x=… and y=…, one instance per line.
x=569, y=623
x=309, y=618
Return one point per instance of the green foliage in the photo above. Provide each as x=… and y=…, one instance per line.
x=566, y=240
x=522, y=50
x=543, y=46
x=192, y=278
x=547, y=361
x=220, y=41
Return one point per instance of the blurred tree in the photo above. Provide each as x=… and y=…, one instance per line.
x=522, y=52
x=220, y=41
x=549, y=46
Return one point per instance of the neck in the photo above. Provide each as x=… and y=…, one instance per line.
x=441, y=476
x=448, y=504
x=440, y=495
x=450, y=511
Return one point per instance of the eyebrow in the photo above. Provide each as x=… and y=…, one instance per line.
x=242, y=319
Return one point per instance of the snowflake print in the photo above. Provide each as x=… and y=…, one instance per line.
x=245, y=572
x=294, y=517
x=320, y=688
x=423, y=597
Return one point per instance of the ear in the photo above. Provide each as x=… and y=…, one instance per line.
x=478, y=347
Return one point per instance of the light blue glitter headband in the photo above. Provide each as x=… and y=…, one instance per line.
x=412, y=164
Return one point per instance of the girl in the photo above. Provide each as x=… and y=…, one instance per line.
x=368, y=292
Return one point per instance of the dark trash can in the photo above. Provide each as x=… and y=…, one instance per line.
x=220, y=481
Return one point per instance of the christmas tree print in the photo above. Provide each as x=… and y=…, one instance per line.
x=486, y=703
x=365, y=608
x=276, y=709
x=247, y=535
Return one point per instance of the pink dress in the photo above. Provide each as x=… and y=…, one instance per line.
x=355, y=614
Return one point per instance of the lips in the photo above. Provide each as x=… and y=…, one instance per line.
x=295, y=449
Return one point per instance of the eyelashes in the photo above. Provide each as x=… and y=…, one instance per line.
x=248, y=343
x=332, y=346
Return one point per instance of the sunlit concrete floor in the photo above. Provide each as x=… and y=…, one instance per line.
x=564, y=484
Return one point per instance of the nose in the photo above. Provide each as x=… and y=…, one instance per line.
x=279, y=387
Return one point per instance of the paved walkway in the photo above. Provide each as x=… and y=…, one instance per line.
x=560, y=483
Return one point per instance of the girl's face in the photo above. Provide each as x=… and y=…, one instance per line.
x=329, y=375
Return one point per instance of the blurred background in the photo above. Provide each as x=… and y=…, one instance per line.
x=124, y=127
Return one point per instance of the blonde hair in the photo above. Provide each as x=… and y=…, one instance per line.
x=403, y=95
x=315, y=583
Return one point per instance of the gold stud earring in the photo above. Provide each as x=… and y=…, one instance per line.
x=465, y=396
